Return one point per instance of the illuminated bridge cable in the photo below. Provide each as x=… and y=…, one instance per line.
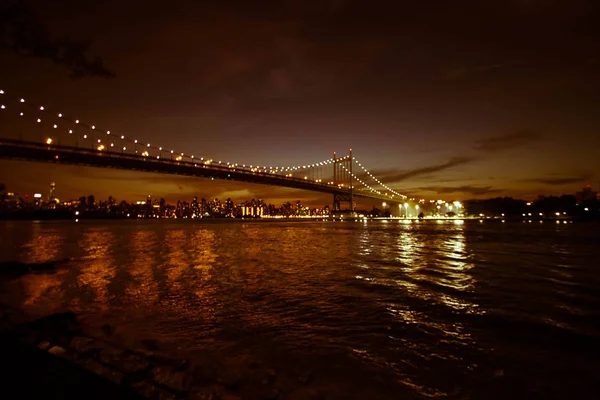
x=108, y=141
x=105, y=140
x=373, y=190
x=377, y=180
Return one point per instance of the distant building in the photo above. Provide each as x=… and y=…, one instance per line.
x=586, y=194
x=52, y=191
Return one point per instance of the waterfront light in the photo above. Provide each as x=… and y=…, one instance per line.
x=49, y=141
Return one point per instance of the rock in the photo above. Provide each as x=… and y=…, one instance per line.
x=232, y=380
x=43, y=345
x=204, y=394
x=268, y=376
x=230, y=397
x=123, y=360
x=104, y=371
x=59, y=322
x=183, y=365
x=204, y=374
x=107, y=329
x=150, y=344
x=303, y=394
x=58, y=351
x=168, y=377
x=81, y=344
x=305, y=378
x=270, y=394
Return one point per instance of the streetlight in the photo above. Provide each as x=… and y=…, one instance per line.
x=405, y=210
x=384, y=204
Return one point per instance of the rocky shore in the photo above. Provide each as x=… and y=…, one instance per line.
x=52, y=357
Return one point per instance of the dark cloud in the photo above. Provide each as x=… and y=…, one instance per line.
x=559, y=181
x=391, y=176
x=25, y=34
x=457, y=73
x=474, y=190
x=506, y=142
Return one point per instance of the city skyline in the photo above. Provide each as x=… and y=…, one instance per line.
x=294, y=83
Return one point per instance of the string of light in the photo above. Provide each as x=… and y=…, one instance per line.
x=361, y=181
x=107, y=141
x=377, y=180
x=109, y=144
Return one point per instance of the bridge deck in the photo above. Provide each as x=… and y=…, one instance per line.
x=32, y=151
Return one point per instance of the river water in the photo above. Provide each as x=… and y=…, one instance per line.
x=357, y=310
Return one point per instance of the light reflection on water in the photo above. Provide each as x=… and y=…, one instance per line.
x=427, y=308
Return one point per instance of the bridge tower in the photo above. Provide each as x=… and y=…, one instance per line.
x=342, y=175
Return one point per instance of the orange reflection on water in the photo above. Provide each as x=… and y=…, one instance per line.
x=44, y=246
x=98, y=268
x=177, y=259
x=203, y=243
x=142, y=245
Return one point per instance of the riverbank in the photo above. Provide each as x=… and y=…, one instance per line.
x=52, y=357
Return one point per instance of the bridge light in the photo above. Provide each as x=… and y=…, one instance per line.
x=2, y=106
x=85, y=136
x=70, y=131
x=148, y=144
x=93, y=126
x=160, y=148
x=41, y=108
x=108, y=132
x=39, y=120
x=171, y=151
x=112, y=145
x=55, y=126
x=59, y=115
x=1, y=91
x=76, y=121
x=22, y=100
x=135, y=141
x=124, y=148
x=122, y=137
x=99, y=140
x=49, y=141
x=21, y=114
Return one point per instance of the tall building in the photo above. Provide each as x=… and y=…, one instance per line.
x=586, y=194
x=52, y=191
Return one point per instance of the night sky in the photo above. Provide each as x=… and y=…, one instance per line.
x=451, y=99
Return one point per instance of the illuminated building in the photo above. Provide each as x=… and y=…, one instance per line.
x=52, y=191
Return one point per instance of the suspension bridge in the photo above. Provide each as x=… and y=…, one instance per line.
x=32, y=132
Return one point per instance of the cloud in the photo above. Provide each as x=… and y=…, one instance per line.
x=506, y=142
x=469, y=70
x=559, y=181
x=474, y=190
x=392, y=176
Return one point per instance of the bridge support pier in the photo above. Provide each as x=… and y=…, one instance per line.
x=343, y=178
